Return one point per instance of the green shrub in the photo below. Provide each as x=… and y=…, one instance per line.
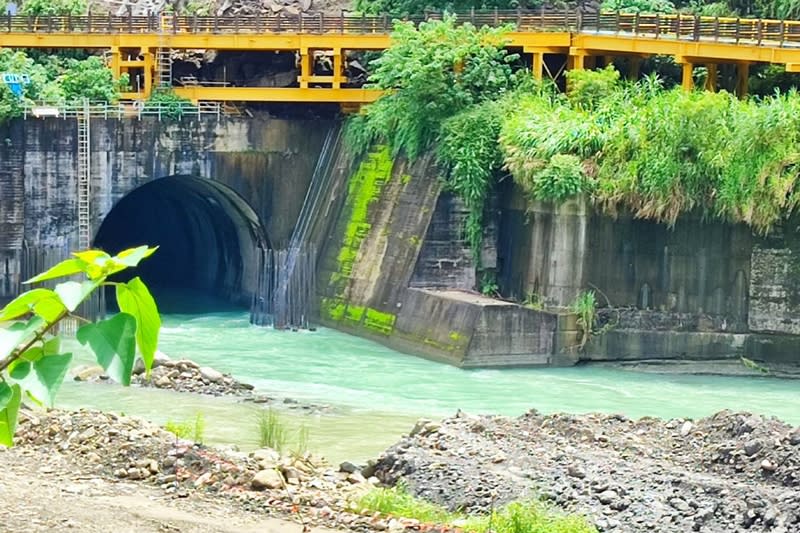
x=275, y=433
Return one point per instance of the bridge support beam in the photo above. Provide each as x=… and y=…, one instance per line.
x=115, y=63
x=712, y=77
x=149, y=67
x=305, y=67
x=577, y=60
x=742, y=79
x=537, y=65
x=338, y=68
x=687, y=75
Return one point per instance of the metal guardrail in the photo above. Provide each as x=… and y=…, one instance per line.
x=675, y=26
x=119, y=110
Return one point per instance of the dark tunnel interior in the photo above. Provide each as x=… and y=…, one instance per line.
x=207, y=236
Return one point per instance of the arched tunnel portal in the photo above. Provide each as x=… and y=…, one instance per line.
x=209, y=238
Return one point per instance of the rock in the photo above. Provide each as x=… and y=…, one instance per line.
x=686, y=428
x=574, y=471
x=608, y=496
x=267, y=479
x=419, y=426
x=211, y=375
x=794, y=437
x=752, y=447
x=88, y=373
x=163, y=382
x=768, y=466
x=348, y=467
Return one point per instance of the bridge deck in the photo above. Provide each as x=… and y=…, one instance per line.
x=690, y=40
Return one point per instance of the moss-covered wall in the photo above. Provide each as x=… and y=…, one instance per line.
x=372, y=249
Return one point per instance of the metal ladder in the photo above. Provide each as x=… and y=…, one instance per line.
x=163, y=57
x=164, y=67
x=84, y=179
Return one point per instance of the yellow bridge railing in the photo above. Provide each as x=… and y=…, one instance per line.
x=133, y=42
x=675, y=26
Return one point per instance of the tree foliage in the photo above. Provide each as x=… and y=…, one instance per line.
x=441, y=81
x=404, y=8
x=45, y=8
x=56, y=79
x=661, y=153
x=32, y=362
x=430, y=73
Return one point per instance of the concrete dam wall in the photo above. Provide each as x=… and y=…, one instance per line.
x=393, y=264
x=210, y=191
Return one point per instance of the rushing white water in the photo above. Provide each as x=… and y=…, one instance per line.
x=377, y=393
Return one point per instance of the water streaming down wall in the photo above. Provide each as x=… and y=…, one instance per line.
x=286, y=286
x=38, y=259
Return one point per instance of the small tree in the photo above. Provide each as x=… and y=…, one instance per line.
x=32, y=363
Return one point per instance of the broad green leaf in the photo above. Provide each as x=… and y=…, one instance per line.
x=72, y=293
x=92, y=256
x=18, y=333
x=133, y=256
x=52, y=346
x=24, y=303
x=50, y=309
x=8, y=414
x=113, y=342
x=32, y=354
x=19, y=370
x=42, y=379
x=134, y=298
x=67, y=267
x=5, y=394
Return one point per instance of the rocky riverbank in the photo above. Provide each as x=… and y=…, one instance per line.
x=726, y=473
x=180, y=375
x=97, y=447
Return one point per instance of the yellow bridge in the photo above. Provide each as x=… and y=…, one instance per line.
x=142, y=45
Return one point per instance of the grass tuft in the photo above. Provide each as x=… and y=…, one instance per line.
x=516, y=517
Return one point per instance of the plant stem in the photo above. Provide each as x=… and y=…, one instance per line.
x=13, y=356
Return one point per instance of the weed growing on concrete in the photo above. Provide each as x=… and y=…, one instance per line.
x=585, y=306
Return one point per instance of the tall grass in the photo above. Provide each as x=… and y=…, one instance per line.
x=517, y=517
x=275, y=433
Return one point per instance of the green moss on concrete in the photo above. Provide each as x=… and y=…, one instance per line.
x=379, y=321
x=338, y=310
x=364, y=188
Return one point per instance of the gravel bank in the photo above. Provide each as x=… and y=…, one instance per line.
x=725, y=473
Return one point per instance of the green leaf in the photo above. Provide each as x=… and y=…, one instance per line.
x=68, y=267
x=12, y=337
x=52, y=346
x=50, y=309
x=73, y=293
x=134, y=298
x=24, y=303
x=10, y=397
x=42, y=379
x=133, y=256
x=32, y=354
x=113, y=342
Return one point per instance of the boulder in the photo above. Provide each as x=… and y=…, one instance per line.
x=267, y=479
x=210, y=374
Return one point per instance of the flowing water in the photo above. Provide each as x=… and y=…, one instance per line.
x=376, y=393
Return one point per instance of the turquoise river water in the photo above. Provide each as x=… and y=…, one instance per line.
x=375, y=393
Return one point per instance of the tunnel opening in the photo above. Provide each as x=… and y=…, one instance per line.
x=209, y=241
